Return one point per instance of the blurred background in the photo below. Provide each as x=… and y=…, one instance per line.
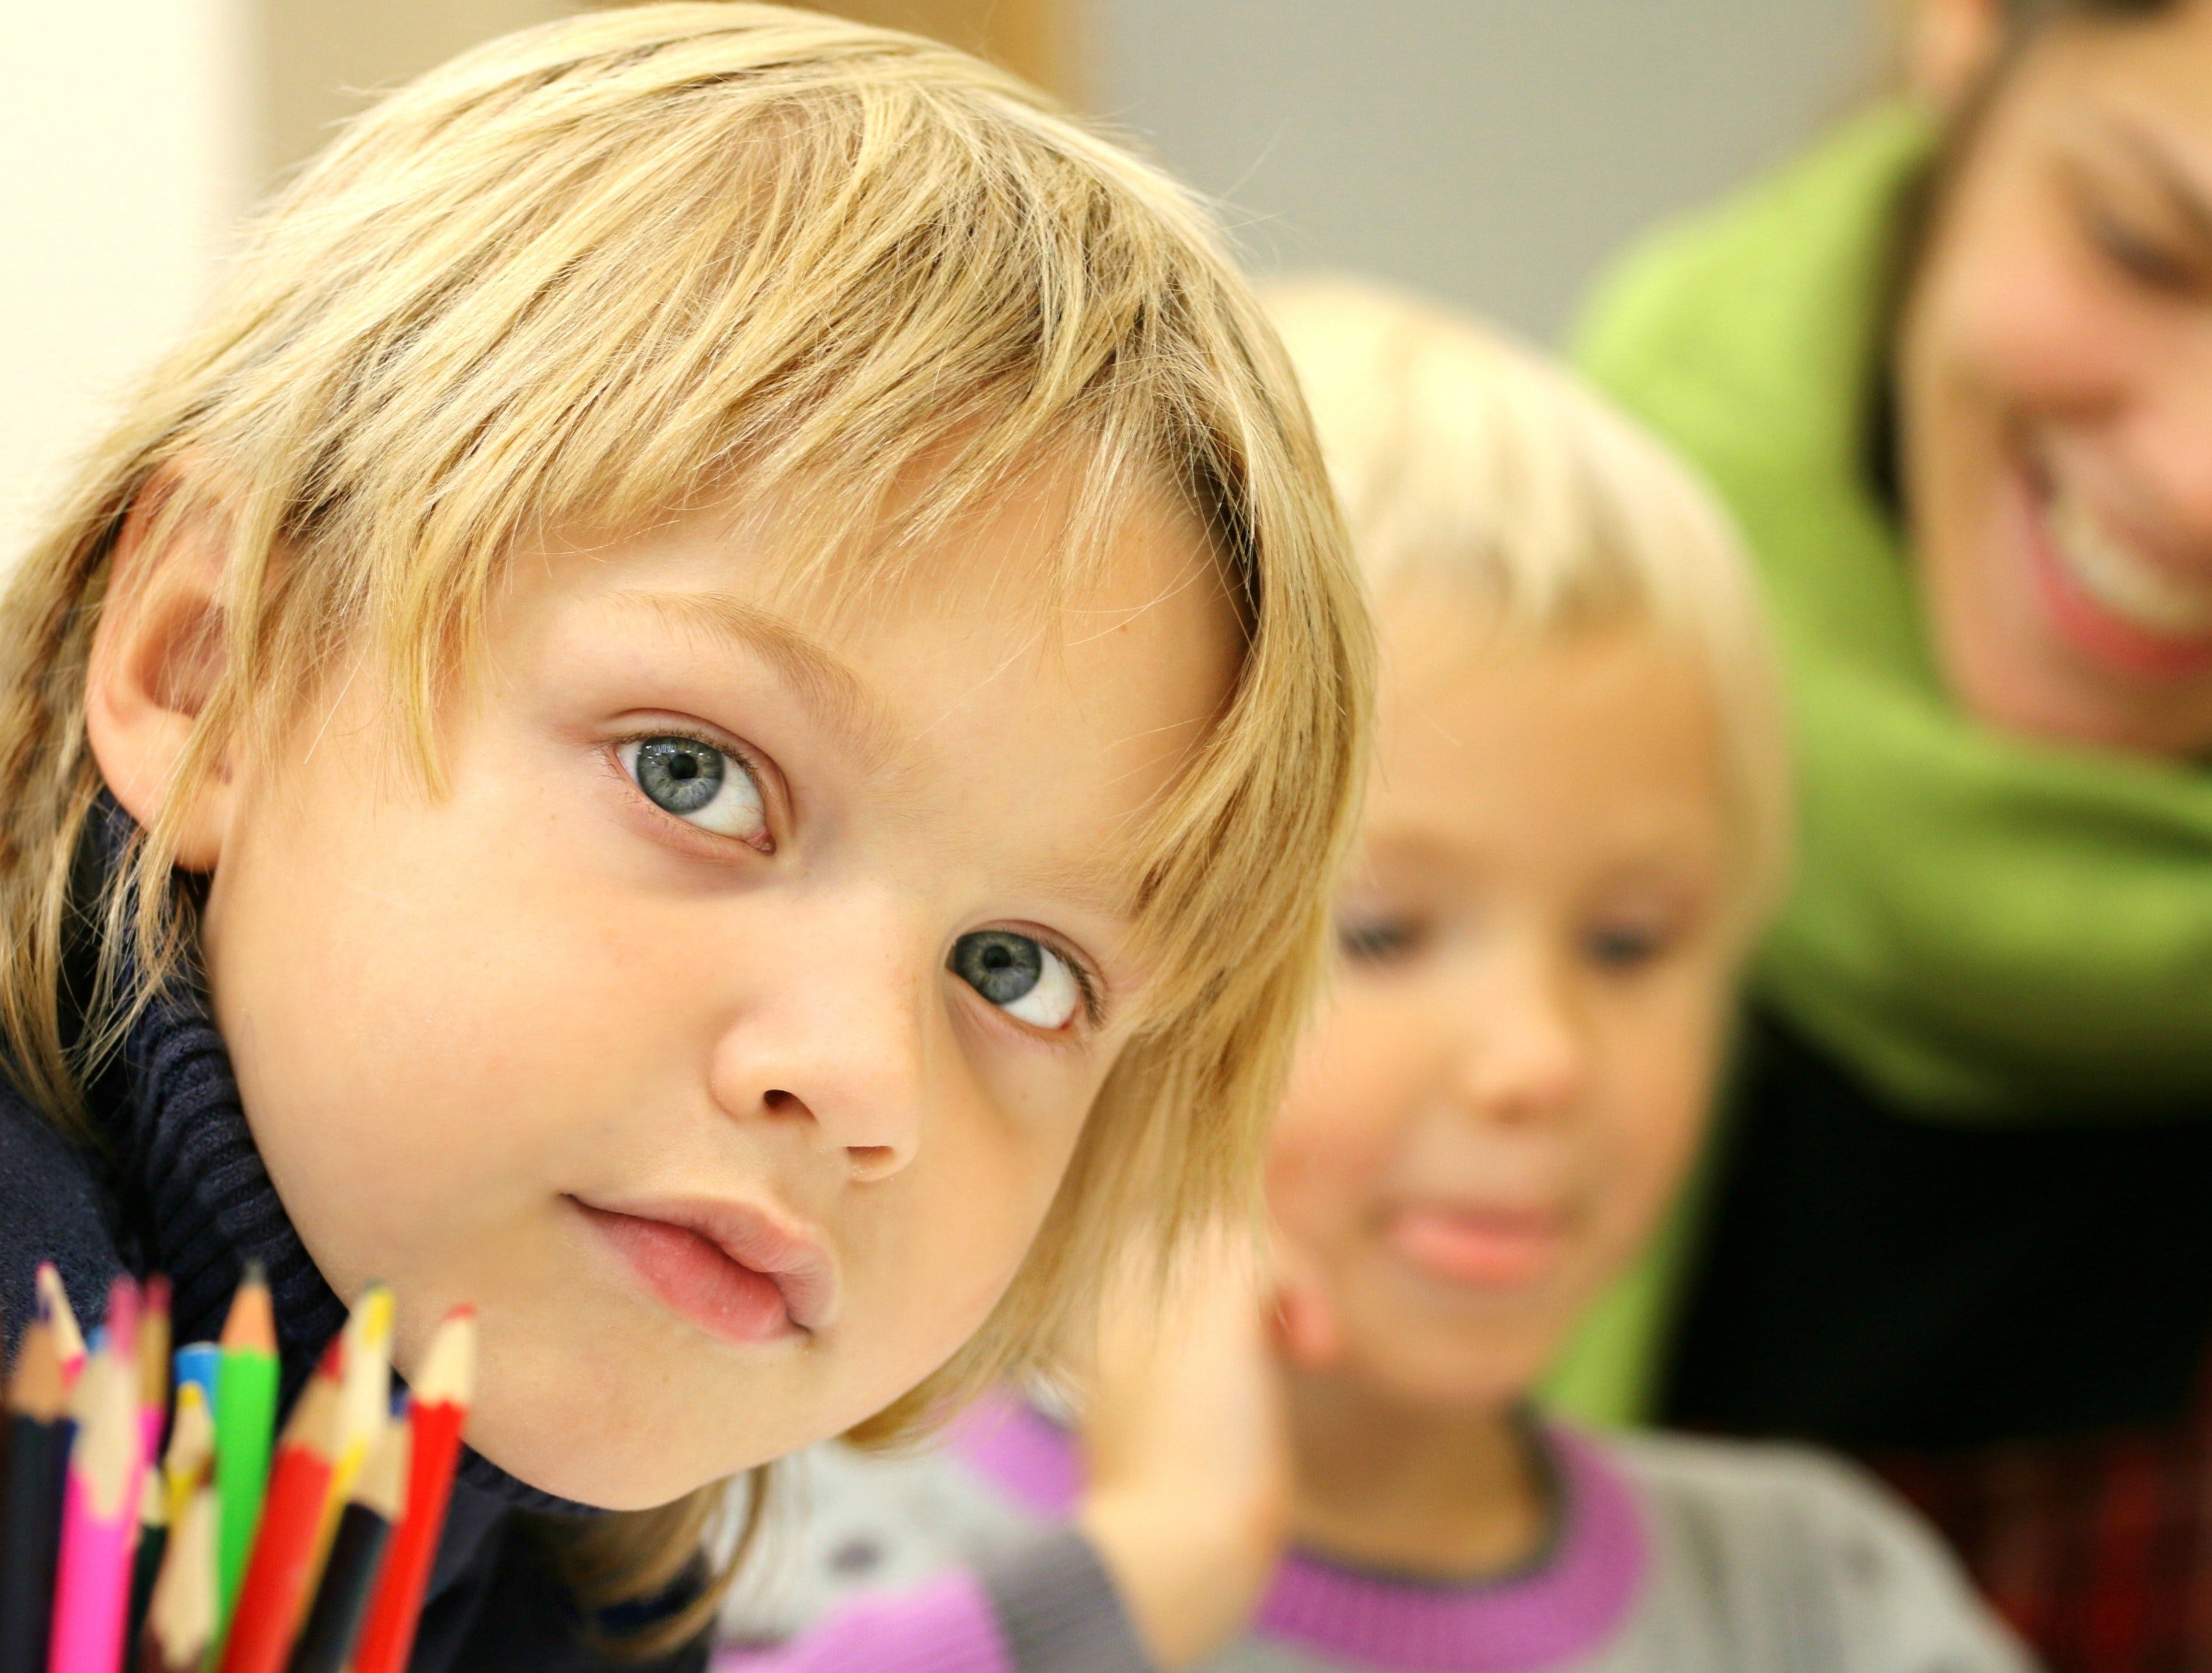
x=1490, y=151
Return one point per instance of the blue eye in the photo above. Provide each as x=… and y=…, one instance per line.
x=698, y=783
x=1623, y=948
x=1019, y=974
x=1378, y=941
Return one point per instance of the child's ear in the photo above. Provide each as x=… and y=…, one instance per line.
x=156, y=655
x=1949, y=47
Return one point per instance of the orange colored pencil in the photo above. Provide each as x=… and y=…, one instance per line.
x=278, y=1573
x=440, y=1411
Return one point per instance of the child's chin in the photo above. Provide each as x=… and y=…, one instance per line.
x=1461, y=1367
x=640, y=1472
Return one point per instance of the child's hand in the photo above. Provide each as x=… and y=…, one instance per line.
x=1188, y=1453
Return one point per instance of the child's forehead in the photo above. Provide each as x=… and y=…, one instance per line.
x=1044, y=547
x=1487, y=713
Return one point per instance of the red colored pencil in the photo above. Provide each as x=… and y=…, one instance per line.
x=377, y=1501
x=441, y=1396
x=277, y=1575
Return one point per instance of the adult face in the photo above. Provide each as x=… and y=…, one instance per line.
x=2055, y=375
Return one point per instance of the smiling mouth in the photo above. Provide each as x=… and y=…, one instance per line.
x=2111, y=598
x=734, y=1271
x=1477, y=1248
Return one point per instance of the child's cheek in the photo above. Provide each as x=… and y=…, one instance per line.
x=1330, y=1145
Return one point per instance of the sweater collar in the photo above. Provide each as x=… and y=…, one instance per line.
x=1563, y=1607
x=196, y=1197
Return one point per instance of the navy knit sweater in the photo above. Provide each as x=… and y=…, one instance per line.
x=171, y=1182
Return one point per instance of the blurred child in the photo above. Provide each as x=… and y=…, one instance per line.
x=713, y=703
x=1576, y=825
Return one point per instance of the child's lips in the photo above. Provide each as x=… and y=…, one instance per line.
x=731, y=1269
x=1484, y=1248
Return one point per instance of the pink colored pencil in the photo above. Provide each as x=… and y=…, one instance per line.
x=99, y=1506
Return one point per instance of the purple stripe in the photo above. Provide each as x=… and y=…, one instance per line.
x=1021, y=1451
x=945, y=1626
x=1559, y=1612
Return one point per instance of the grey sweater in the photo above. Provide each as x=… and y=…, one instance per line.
x=1684, y=1555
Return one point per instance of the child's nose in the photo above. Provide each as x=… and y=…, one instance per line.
x=841, y=1047
x=1524, y=1059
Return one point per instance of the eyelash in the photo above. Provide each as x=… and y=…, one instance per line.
x=2141, y=259
x=746, y=763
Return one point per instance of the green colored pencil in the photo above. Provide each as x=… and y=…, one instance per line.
x=245, y=1431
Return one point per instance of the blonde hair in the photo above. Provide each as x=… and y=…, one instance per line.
x=1463, y=459
x=597, y=271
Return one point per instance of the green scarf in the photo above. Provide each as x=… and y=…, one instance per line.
x=1984, y=928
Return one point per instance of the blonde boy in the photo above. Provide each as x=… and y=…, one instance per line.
x=708, y=714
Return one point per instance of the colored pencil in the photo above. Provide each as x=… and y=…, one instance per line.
x=440, y=1409
x=99, y=1507
x=170, y=1493
x=38, y=1433
x=54, y=1307
x=275, y=1592
x=180, y=1622
x=187, y=1464
x=154, y=1364
x=151, y=1551
x=365, y=1390
x=245, y=1424
x=196, y=1364
x=341, y=1607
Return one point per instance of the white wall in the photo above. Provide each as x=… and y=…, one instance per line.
x=1489, y=151
x=125, y=155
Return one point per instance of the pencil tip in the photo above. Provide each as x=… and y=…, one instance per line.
x=252, y=1323
x=54, y=1307
x=449, y=1368
x=38, y=1390
x=123, y=1309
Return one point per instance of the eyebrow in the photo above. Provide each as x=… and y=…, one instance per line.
x=839, y=699
x=831, y=692
x=1112, y=888
x=2191, y=195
